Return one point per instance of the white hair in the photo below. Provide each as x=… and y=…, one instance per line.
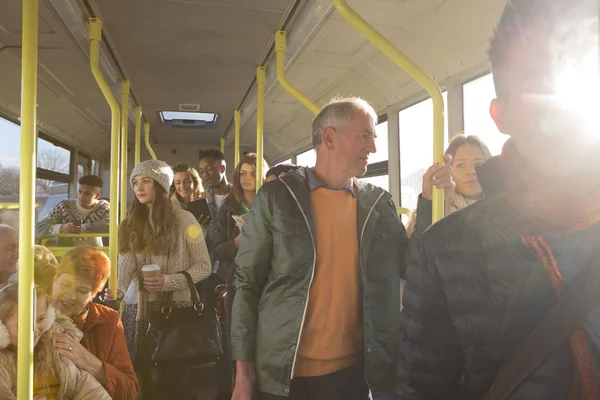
x=337, y=113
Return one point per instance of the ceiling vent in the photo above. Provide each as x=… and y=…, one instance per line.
x=189, y=119
x=189, y=107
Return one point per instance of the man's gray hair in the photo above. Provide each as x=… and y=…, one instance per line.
x=337, y=113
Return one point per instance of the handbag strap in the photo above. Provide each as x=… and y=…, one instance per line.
x=198, y=305
x=570, y=310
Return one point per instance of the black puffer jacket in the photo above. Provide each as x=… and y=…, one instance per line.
x=474, y=292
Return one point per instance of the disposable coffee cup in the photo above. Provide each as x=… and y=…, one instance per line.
x=150, y=271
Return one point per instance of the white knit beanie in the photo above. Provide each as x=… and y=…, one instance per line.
x=160, y=171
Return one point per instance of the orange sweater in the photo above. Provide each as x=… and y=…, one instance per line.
x=332, y=336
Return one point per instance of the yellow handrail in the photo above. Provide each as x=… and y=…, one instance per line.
x=147, y=140
x=125, y=88
x=83, y=235
x=280, y=48
x=29, y=65
x=402, y=210
x=418, y=75
x=222, y=144
x=95, y=38
x=14, y=206
x=138, y=134
x=260, y=123
x=236, y=148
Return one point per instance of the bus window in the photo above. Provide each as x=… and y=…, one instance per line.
x=307, y=159
x=477, y=96
x=10, y=135
x=416, y=143
x=381, y=143
x=52, y=157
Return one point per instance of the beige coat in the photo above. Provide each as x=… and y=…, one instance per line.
x=75, y=384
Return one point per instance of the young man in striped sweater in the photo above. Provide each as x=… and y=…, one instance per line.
x=86, y=214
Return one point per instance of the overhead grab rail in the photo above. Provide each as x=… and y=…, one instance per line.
x=222, y=145
x=138, y=134
x=418, y=75
x=280, y=49
x=95, y=38
x=29, y=65
x=236, y=150
x=125, y=88
x=147, y=140
x=260, y=123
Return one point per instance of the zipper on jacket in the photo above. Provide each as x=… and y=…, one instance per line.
x=362, y=233
x=311, y=276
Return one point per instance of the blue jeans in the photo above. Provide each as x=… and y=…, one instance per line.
x=384, y=396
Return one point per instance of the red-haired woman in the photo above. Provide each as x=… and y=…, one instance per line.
x=102, y=352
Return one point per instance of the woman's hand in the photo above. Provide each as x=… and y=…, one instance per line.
x=440, y=176
x=83, y=359
x=239, y=222
x=154, y=284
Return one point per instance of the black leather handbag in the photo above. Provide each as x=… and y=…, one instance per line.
x=177, y=334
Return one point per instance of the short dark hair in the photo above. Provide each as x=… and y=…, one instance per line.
x=547, y=33
x=216, y=154
x=91, y=180
x=281, y=169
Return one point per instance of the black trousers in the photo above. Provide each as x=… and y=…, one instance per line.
x=346, y=384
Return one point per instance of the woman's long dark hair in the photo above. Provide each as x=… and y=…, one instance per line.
x=152, y=232
x=250, y=159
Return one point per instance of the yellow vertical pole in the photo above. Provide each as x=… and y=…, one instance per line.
x=418, y=75
x=222, y=145
x=236, y=149
x=26, y=305
x=95, y=38
x=280, y=49
x=125, y=88
x=138, y=134
x=147, y=140
x=260, y=124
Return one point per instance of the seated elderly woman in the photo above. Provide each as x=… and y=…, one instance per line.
x=103, y=353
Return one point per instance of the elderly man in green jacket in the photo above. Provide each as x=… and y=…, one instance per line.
x=316, y=309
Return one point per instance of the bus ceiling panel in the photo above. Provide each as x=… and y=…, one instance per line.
x=198, y=52
x=482, y=18
x=311, y=80
x=51, y=31
x=338, y=45
x=353, y=84
x=261, y=5
x=306, y=23
x=392, y=13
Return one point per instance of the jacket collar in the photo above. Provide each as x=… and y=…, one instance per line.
x=94, y=317
x=367, y=197
x=314, y=183
x=492, y=177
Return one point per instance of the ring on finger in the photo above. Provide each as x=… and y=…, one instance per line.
x=70, y=349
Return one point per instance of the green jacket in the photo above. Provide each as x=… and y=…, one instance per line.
x=275, y=268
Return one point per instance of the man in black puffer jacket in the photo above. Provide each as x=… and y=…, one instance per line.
x=484, y=277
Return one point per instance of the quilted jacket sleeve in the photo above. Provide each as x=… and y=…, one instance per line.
x=431, y=361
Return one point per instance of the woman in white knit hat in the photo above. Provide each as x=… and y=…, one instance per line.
x=157, y=232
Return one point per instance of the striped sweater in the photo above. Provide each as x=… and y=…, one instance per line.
x=95, y=219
